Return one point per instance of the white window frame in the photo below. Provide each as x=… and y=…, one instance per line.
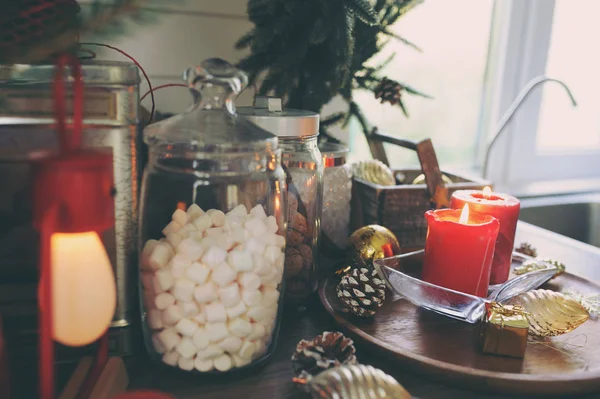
x=519, y=44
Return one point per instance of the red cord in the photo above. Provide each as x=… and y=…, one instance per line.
x=137, y=64
x=59, y=93
x=162, y=87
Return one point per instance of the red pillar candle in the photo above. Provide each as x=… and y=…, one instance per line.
x=506, y=209
x=459, y=249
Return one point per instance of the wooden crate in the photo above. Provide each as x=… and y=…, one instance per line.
x=401, y=208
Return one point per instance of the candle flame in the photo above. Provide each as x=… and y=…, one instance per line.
x=487, y=192
x=464, y=215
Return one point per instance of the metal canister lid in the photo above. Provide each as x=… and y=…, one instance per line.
x=269, y=114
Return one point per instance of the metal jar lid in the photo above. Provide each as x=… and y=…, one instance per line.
x=269, y=114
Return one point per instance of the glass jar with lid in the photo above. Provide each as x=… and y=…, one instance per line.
x=297, y=131
x=212, y=231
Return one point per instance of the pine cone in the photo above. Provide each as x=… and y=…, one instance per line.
x=527, y=249
x=362, y=291
x=328, y=350
x=388, y=91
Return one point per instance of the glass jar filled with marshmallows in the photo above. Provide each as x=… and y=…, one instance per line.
x=212, y=231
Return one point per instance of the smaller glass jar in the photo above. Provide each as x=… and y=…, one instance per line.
x=297, y=131
x=337, y=194
x=212, y=231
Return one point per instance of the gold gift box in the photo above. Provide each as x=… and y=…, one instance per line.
x=503, y=330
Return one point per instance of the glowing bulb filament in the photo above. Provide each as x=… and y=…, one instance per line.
x=464, y=215
x=487, y=192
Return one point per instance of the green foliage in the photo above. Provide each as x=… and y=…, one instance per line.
x=309, y=51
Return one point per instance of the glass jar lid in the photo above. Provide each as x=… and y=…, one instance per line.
x=269, y=114
x=211, y=123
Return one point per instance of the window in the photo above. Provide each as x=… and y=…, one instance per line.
x=477, y=56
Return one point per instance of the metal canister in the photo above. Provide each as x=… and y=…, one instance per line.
x=111, y=97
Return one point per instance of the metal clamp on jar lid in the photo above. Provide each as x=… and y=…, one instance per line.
x=269, y=114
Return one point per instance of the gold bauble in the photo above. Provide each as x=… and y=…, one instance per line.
x=374, y=171
x=550, y=313
x=356, y=382
x=421, y=179
x=370, y=243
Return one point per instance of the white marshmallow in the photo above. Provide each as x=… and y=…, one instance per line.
x=186, y=327
x=207, y=242
x=214, y=256
x=251, y=297
x=271, y=279
x=223, y=363
x=164, y=300
x=215, y=312
x=171, y=315
x=269, y=297
x=230, y=295
x=189, y=309
x=160, y=256
x=240, y=261
x=279, y=241
x=180, y=217
x=255, y=245
x=231, y=344
x=217, y=216
x=225, y=241
x=147, y=281
x=186, y=364
x=169, y=338
x=272, y=225
x=258, y=332
x=172, y=227
x=205, y=293
x=157, y=344
x=183, y=289
x=203, y=365
x=239, y=210
x=186, y=348
x=249, y=281
x=261, y=266
x=272, y=253
x=187, y=230
x=171, y=358
x=146, y=252
x=258, y=313
x=178, y=264
x=210, y=352
x=268, y=239
x=213, y=231
x=223, y=274
x=200, y=338
x=174, y=239
x=237, y=310
x=203, y=222
x=240, y=327
x=256, y=226
x=258, y=212
x=190, y=248
x=200, y=318
x=240, y=361
x=197, y=272
x=238, y=234
x=155, y=319
x=247, y=350
x=194, y=211
x=163, y=280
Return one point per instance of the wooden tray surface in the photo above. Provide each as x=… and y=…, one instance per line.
x=447, y=349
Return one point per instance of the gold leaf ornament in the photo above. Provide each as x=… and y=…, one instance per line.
x=374, y=171
x=550, y=313
x=356, y=382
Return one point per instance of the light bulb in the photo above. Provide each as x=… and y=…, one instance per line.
x=83, y=288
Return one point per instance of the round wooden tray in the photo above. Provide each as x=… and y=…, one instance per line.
x=447, y=349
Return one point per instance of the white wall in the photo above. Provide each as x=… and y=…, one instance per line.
x=184, y=34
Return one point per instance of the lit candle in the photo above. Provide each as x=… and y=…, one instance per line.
x=459, y=250
x=506, y=209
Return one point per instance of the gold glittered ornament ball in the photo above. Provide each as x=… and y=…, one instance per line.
x=373, y=171
x=370, y=243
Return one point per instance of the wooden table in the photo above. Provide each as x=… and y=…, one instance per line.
x=274, y=379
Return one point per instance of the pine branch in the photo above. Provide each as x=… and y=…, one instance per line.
x=333, y=119
x=245, y=41
x=364, y=11
x=402, y=39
